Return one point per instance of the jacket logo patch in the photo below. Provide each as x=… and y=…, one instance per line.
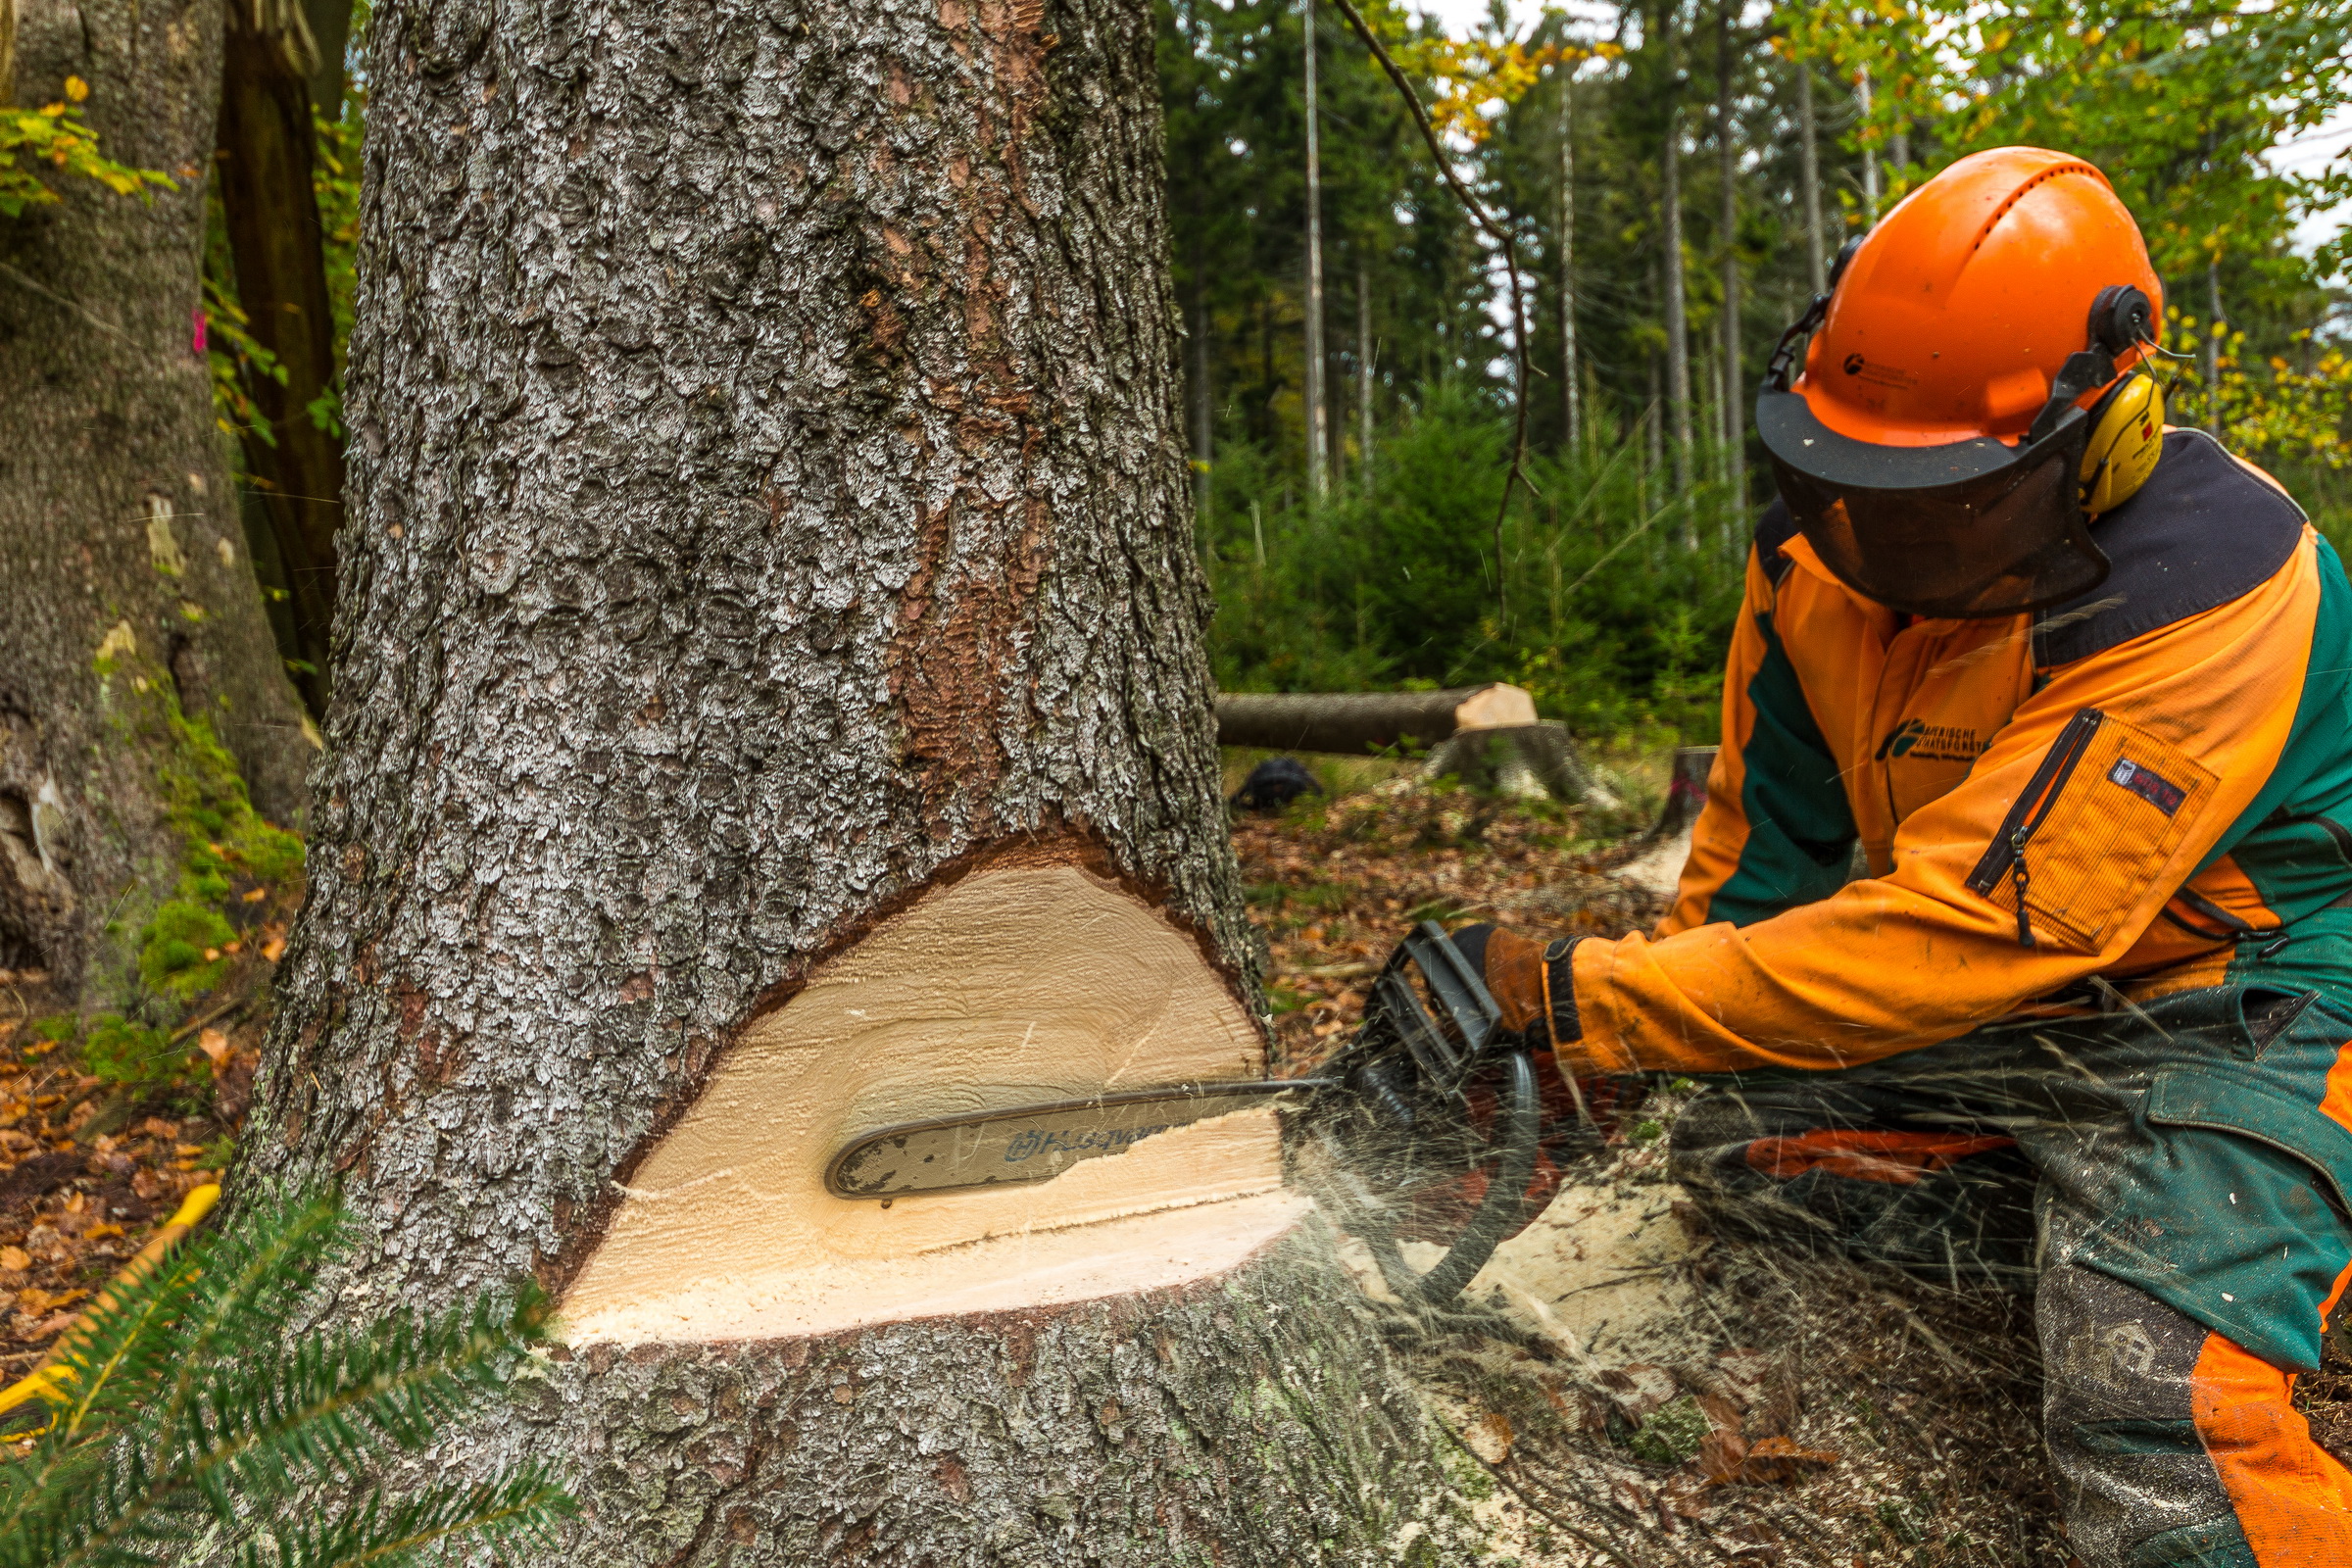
x=2157, y=791
x=1931, y=743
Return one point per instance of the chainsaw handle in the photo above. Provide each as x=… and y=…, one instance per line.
x=1521, y=1124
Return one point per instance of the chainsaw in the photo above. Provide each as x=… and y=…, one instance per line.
x=1428, y=1090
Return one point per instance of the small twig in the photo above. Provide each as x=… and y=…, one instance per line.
x=1516, y=474
x=233, y=1005
x=1516, y=1491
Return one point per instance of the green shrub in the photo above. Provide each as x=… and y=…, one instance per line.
x=1613, y=608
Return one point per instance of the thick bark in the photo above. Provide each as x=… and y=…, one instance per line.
x=125, y=596
x=770, y=539
x=1356, y=722
x=271, y=211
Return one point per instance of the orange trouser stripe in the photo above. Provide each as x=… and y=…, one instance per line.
x=1898, y=1159
x=2293, y=1499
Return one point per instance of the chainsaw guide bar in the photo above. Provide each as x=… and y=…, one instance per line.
x=1032, y=1143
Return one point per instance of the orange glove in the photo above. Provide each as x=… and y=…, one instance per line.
x=1529, y=981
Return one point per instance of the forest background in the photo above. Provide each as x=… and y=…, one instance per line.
x=1676, y=177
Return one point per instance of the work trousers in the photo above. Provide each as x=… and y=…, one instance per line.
x=2163, y=1178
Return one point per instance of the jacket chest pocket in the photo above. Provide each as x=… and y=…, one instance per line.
x=2092, y=829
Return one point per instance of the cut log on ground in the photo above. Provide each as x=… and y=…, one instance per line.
x=771, y=708
x=1353, y=723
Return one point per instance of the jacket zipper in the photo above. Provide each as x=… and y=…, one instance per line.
x=2007, y=851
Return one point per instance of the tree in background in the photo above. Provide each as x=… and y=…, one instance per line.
x=143, y=713
x=282, y=73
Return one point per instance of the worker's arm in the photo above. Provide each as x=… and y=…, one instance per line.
x=1776, y=831
x=2121, y=774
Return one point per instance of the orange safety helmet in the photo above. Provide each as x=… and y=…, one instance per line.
x=1971, y=387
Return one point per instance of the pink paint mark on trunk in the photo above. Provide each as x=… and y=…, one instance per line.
x=196, y=318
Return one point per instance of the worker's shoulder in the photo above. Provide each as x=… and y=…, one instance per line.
x=1773, y=530
x=2202, y=532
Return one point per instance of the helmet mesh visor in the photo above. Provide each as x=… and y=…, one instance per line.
x=2005, y=542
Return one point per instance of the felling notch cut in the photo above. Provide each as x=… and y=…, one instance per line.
x=1011, y=987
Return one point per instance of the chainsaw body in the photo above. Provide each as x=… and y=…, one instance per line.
x=1431, y=1090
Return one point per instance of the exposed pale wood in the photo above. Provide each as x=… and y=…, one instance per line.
x=1356, y=722
x=1008, y=988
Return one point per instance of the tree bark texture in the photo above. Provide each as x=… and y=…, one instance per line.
x=127, y=598
x=769, y=503
x=271, y=211
x=1356, y=722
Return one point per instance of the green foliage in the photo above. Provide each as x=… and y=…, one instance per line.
x=136, y=1056
x=1614, y=606
x=1399, y=575
x=1673, y=1432
x=196, y=1416
x=55, y=134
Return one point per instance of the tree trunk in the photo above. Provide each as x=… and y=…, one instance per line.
x=2215, y=330
x=1317, y=370
x=1727, y=148
x=1870, y=146
x=771, y=708
x=1356, y=722
x=1571, y=387
x=1678, y=332
x=271, y=211
x=1365, y=354
x=1817, y=262
x=130, y=630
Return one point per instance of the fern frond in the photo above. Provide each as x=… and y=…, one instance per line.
x=521, y=1508
x=194, y=1407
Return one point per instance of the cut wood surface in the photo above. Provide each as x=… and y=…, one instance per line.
x=1008, y=988
x=1356, y=722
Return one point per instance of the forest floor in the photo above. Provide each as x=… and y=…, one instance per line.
x=1636, y=1390
x=1629, y=1387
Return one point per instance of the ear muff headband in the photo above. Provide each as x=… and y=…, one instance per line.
x=2126, y=437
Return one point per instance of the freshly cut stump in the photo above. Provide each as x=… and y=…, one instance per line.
x=1007, y=988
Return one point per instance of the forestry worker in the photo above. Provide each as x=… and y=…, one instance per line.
x=2077, y=686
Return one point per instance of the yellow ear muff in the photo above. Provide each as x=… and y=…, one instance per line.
x=2126, y=437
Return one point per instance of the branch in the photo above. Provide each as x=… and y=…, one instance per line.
x=1516, y=474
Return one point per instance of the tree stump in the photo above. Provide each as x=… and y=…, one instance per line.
x=1531, y=762
x=1657, y=867
x=771, y=705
